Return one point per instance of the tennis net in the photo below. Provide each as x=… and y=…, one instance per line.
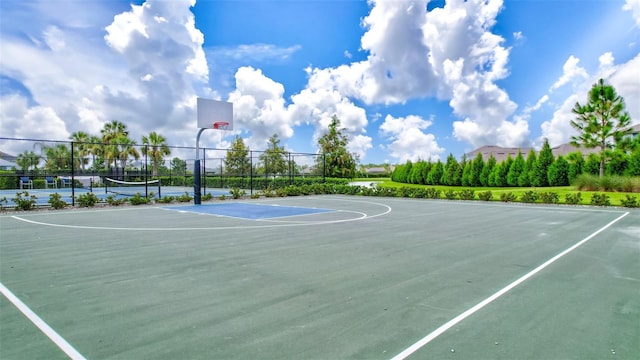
x=131, y=188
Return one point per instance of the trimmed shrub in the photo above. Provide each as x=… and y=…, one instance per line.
x=450, y=195
x=485, y=195
x=630, y=202
x=600, y=199
x=529, y=197
x=237, y=193
x=508, y=197
x=433, y=193
x=56, y=202
x=24, y=201
x=467, y=194
x=138, y=199
x=549, y=198
x=573, y=199
x=184, y=198
x=166, y=199
x=87, y=200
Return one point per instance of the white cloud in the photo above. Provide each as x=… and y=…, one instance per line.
x=570, y=71
x=259, y=106
x=43, y=122
x=634, y=7
x=144, y=72
x=408, y=140
x=359, y=145
x=538, y=104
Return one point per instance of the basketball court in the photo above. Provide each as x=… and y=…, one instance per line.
x=321, y=277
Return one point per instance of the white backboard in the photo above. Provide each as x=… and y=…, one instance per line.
x=214, y=114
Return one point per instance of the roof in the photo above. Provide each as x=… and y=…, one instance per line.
x=502, y=153
x=4, y=164
x=499, y=153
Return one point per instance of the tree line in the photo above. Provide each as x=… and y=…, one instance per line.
x=602, y=123
x=538, y=170
x=113, y=148
x=333, y=161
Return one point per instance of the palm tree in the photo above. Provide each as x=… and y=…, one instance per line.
x=28, y=159
x=81, y=147
x=157, y=150
x=113, y=133
x=96, y=148
x=124, y=149
x=58, y=158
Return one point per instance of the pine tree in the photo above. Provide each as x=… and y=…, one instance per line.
x=450, y=170
x=515, y=170
x=527, y=174
x=436, y=173
x=486, y=170
x=237, y=161
x=545, y=159
x=602, y=121
x=558, y=173
x=338, y=161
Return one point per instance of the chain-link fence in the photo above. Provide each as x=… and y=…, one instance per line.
x=42, y=164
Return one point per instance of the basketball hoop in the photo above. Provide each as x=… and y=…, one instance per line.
x=221, y=125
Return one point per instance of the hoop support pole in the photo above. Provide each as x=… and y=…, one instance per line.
x=197, y=196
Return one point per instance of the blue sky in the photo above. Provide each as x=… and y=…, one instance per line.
x=408, y=79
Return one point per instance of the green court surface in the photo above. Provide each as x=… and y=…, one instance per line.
x=365, y=278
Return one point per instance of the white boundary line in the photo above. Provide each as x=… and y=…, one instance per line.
x=363, y=216
x=437, y=332
x=37, y=321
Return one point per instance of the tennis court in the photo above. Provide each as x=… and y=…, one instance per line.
x=66, y=194
x=321, y=277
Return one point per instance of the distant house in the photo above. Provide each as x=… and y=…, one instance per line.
x=7, y=162
x=501, y=153
x=635, y=132
x=7, y=165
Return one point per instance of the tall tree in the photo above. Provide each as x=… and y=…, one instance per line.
x=237, y=161
x=527, y=174
x=435, y=174
x=487, y=169
x=58, y=158
x=125, y=149
x=450, y=171
x=28, y=160
x=157, y=149
x=112, y=133
x=338, y=162
x=96, y=149
x=602, y=121
x=558, y=173
x=273, y=159
x=541, y=168
x=81, y=147
x=178, y=166
x=516, y=169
